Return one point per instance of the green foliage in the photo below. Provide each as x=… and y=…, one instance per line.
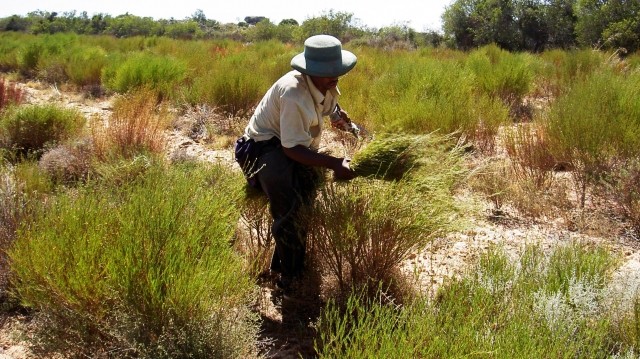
x=338, y=24
x=554, y=306
x=595, y=123
x=84, y=65
x=613, y=24
x=9, y=44
x=500, y=74
x=31, y=128
x=143, y=268
x=230, y=80
x=422, y=94
x=366, y=228
x=562, y=69
x=161, y=73
x=537, y=24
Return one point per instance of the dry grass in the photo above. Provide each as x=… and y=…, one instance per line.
x=136, y=125
x=527, y=147
x=253, y=237
x=210, y=125
x=10, y=94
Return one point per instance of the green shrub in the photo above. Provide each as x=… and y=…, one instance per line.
x=595, y=123
x=365, y=228
x=501, y=75
x=10, y=42
x=84, y=65
x=418, y=95
x=540, y=307
x=31, y=128
x=160, y=73
x=143, y=268
x=562, y=69
x=235, y=80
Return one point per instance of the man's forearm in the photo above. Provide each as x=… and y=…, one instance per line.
x=310, y=158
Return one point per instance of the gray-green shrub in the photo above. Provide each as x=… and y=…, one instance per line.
x=538, y=307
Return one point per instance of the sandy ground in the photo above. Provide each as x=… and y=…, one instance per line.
x=287, y=329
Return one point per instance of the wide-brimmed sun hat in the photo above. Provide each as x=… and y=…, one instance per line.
x=323, y=56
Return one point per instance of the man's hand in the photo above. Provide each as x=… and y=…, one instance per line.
x=343, y=171
x=341, y=123
x=339, y=166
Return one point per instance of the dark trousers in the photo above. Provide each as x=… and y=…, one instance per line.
x=290, y=187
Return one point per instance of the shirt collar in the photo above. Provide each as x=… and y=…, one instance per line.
x=318, y=97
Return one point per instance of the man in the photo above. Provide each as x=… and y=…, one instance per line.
x=280, y=143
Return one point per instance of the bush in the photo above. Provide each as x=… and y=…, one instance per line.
x=160, y=73
x=595, y=123
x=135, y=126
x=67, y=163
x=541, y=306
x=530, y=154
x=31, y=128
x=143, y=269
x=501, y=75
x=418, y=95
x=561, y=69
x=365, y=228
x=9, y=94
x=84, y=65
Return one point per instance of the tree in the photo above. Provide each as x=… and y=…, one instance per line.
x=532, y=25
x=611, y=24
x=253, y=20
x=560, y=23
x=338, y=24
x=472, y=23
x=291, y=22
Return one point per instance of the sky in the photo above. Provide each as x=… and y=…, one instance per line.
x=421, y=15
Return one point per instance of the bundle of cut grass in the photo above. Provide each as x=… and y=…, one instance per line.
x=393, y=156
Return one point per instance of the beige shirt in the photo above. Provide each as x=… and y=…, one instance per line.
x=292, y=110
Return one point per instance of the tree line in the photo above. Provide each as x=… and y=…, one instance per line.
x=514, y=25
x=537, y=25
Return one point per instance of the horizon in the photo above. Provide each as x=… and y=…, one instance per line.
x=420, y=17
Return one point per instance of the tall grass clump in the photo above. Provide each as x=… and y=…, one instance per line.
x=365, y=228
x=10, y=42
x=135, y=126
x=425, y=95
x=144, y=269
x=230, y=82
x=23, y=188
x=31, y=128
x=84, y=65
x=595, y=123
x=561, y=69
x=163, y=74
x=501, y=75
x=540, y=306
